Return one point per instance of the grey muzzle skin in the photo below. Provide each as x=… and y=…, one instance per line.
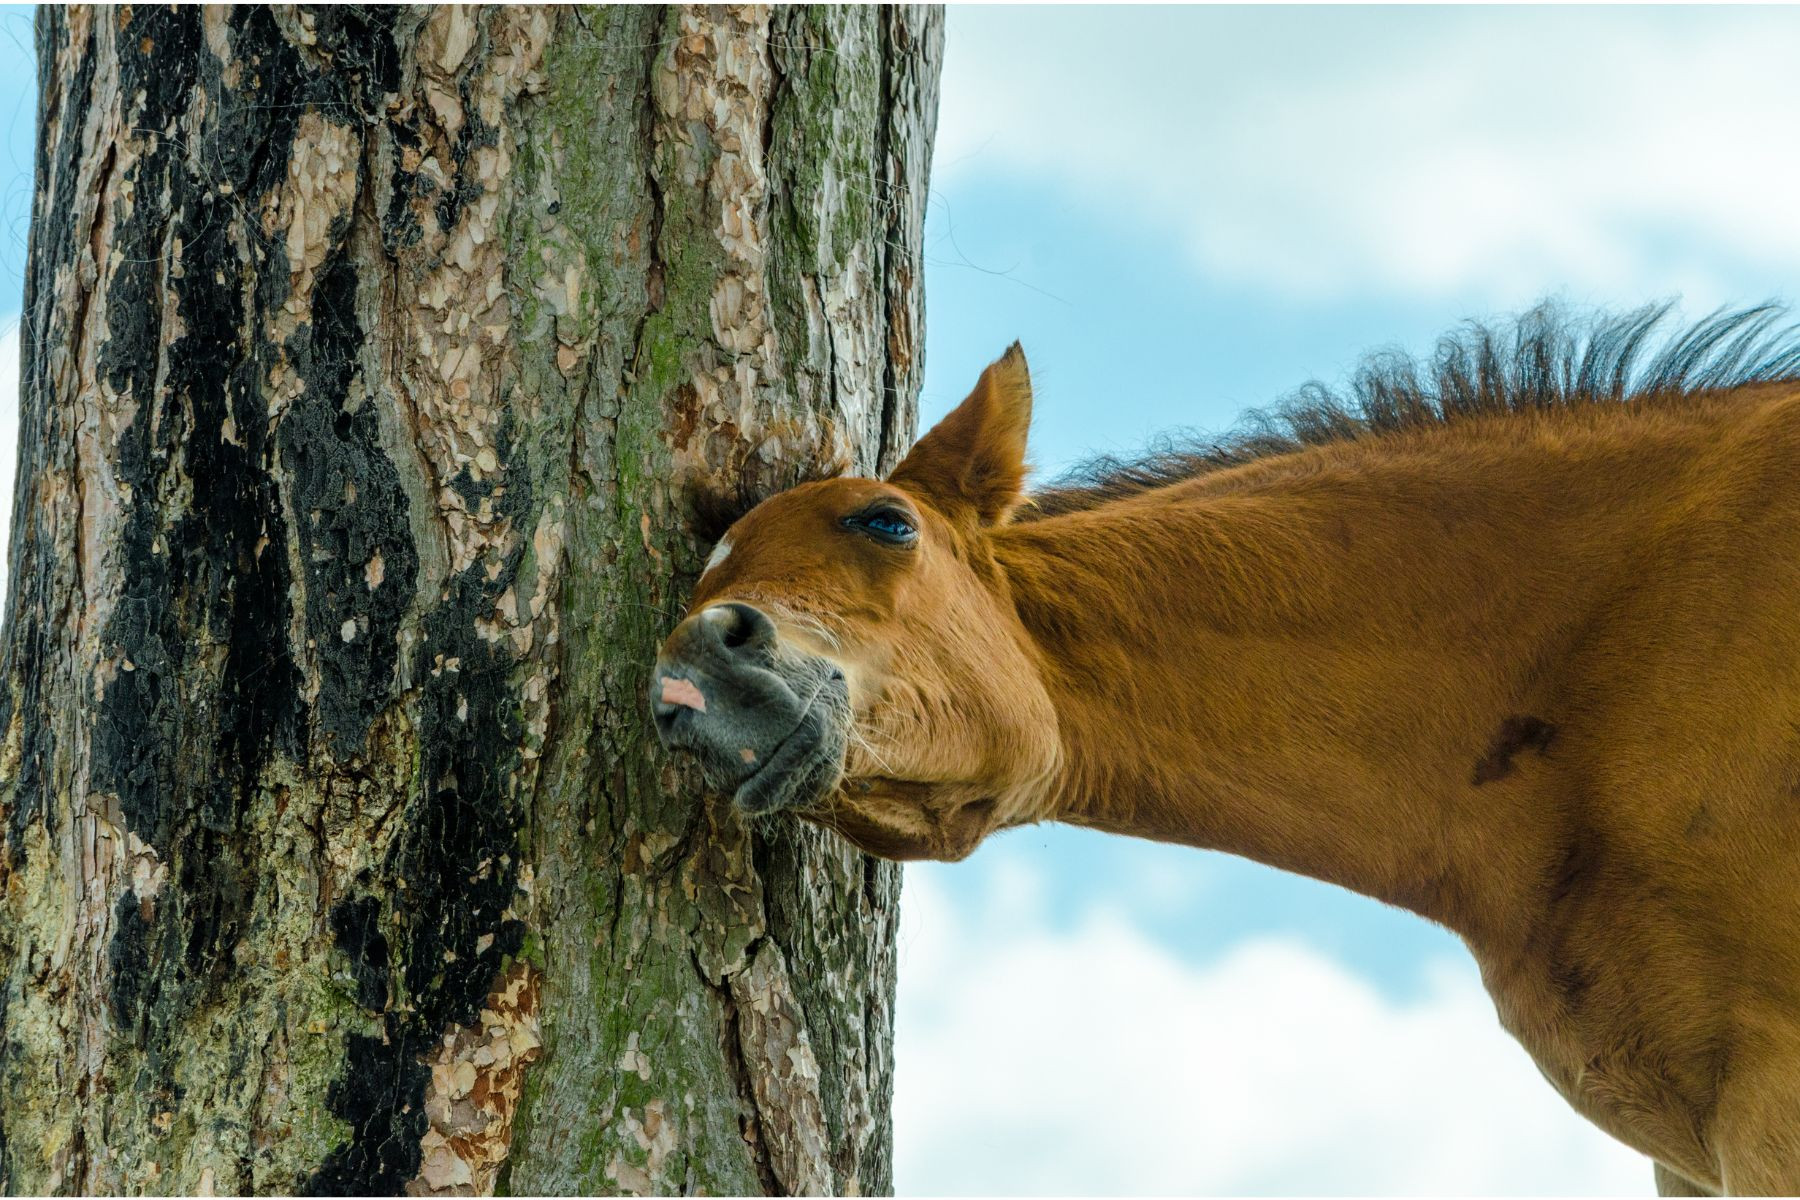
x=767, y=722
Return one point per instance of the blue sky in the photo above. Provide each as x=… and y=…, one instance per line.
x=18, y=128
x=1183, y=213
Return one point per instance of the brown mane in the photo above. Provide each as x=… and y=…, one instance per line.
x=1545, y=358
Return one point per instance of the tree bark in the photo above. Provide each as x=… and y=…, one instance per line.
x=373, y=356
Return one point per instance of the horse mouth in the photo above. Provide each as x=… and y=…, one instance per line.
x=772, y=737
x=804, y=767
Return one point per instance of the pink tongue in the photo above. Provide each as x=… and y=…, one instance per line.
x=682, y=691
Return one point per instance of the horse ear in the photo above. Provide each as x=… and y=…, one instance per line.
x=973, y=461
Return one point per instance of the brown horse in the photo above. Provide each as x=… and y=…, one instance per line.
x=1511, y=640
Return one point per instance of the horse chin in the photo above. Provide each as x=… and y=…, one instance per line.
x=907, y=821
x=805, y=768
x=807, y=783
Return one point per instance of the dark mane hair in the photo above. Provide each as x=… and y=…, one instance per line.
x=1543, y=359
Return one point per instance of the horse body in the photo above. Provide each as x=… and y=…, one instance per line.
x=1538, y=681
x=1533, y=674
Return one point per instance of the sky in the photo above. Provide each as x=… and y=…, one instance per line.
x=18, y=126
x=1184, y=213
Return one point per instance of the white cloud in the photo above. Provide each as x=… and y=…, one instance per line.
x=1036, y=1062
x=1409, y=151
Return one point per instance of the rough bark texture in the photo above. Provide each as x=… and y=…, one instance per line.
x=371, y=357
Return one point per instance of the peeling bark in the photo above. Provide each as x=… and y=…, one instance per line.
x=373, y=357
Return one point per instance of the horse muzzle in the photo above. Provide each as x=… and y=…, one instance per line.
x=765, y=721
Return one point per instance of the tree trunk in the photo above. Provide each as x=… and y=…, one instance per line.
x=373, y=356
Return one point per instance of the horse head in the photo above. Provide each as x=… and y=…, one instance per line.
x=852, y=653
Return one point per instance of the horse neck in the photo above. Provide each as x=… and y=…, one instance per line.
x=1330, y=663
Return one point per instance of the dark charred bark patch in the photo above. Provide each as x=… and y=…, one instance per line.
x=159, y=54
x=399, y=224
x=382, y=1095
x=359, y=43
x=197, y=638
x=459, y=862
x=128, y=960
x=351, y=513
x=199, y=635
x=463, y=189
x=196, y=567
x=357, y=926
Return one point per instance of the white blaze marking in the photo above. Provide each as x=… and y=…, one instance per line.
x=719, y=554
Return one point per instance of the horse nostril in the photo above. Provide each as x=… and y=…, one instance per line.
x=742, y=626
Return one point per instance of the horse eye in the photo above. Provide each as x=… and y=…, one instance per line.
x=888, y=525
